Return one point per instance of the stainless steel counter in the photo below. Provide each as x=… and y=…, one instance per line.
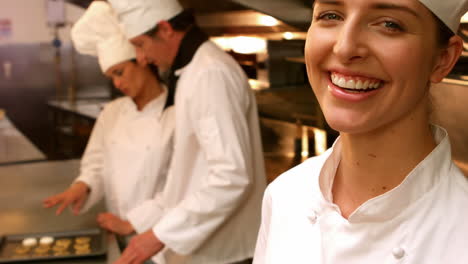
x=72, y=125
x=14, y=146
x=88, y=108
x=22, y=189
x=461, y=80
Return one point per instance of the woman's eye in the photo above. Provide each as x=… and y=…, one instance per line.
x=392, y=26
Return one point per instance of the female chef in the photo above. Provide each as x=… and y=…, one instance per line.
x=127, y=156
x=387, y=191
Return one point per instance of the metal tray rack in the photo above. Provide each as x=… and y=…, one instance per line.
x=8, y=244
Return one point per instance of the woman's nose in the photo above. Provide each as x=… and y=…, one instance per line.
x=350, y=44
x=117, y=83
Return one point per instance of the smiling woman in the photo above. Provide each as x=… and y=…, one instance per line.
x=368, y=42
x=388, y=182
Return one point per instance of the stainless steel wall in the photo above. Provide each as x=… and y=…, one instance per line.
x=32, y=83
x=450, y=103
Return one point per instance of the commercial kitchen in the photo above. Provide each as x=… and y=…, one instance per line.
x=51, y=96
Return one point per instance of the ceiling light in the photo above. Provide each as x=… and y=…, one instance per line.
x=288, y=35
x=248, y=45
x=268, y=21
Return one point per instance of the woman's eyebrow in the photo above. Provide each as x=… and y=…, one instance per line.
x=388, y=6
x=329, y=2
x=383, y=6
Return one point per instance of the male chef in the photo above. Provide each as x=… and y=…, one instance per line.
x=209, y=211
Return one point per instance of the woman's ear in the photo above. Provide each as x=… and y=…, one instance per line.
x=447, y=59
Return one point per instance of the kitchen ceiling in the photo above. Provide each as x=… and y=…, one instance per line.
x=296, y=14
x=201, y=6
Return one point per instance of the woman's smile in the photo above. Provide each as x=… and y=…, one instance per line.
x=366, y=64
x=355, y=83
x=352, y=87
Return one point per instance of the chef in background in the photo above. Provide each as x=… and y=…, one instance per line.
x=127, y=156
x=212, y=198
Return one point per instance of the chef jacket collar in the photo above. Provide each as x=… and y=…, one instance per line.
x=154, y=106
x=188, y=46
x=422, y=179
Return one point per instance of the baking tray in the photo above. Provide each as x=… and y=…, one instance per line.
x=9, y=243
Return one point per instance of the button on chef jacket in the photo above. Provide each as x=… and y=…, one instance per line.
x=424, y=220
x=213, y=193
x=128, y=154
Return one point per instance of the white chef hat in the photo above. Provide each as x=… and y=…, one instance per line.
x=98, y=33
x=139, y=16
x=449, y=11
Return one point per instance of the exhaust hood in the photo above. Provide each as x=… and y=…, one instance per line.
x=227, y=16
x=297, y=13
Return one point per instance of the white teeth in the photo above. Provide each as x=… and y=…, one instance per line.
x=350, y=84
x=353, y=84
x=359, y=84
x=341, y=82
x=366, y=84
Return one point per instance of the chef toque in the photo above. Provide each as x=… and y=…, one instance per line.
x=449, y=11
x=139, y=16
x=98, y=33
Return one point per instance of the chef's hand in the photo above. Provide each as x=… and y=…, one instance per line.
x=114, y=224
x=75, y=196
x=141, y=248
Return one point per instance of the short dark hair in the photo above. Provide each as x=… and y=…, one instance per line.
x=181, y=22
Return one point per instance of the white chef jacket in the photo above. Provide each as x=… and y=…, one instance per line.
x=127, y=156
x=213, y=194
x=422, y=221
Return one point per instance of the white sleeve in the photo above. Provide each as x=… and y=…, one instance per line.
x=91, y=168
x=218, y=117
x=146, y=215
x=260, y=256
